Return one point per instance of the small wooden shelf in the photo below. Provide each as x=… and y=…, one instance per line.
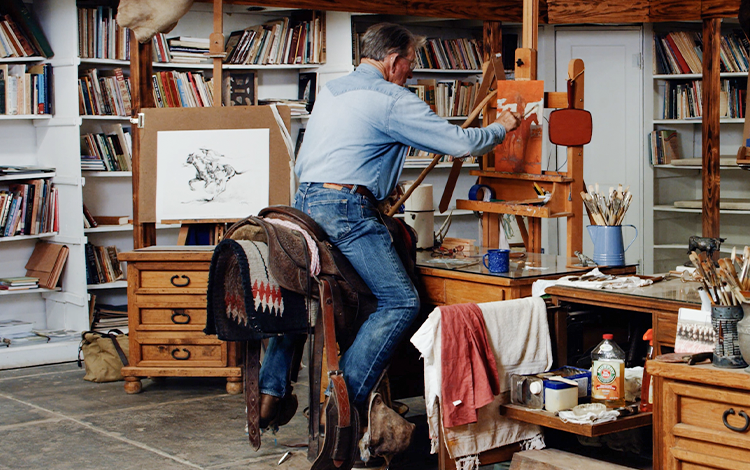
x=698, y=121
x=107, y=174
x=696, y=76
x=550, y=420
x=523, y=176
x=108, y=285
x=527, y=210
x=104, y=117
x=38, y=290
x=466, y=72
x=27, y=237
x=27, y=176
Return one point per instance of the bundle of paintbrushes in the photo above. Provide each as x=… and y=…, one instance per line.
x=607, y=209
x=725, y=282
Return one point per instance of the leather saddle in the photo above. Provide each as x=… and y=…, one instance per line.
x=338, y=302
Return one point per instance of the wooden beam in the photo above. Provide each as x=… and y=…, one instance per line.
x=496, y=10
x=530, y=31
x=595, y=11
x=720, y=8
x=710, y=124
x=216, y=50
x=673, y=10
x=140, y=75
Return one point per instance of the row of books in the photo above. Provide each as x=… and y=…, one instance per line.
x=664, y=146
x=174, y=89
x=682, y=100
x=104, y=93
x=29, y=208
x=450, y=54
x=682, y=52
x=25, y=89
x=182, y=50
x=283, y=41
x=102, y=264
x=20, y=32
x=110, y=150
x=99, y=35
x=446, y=98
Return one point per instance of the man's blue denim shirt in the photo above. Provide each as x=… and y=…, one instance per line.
x=362, y=126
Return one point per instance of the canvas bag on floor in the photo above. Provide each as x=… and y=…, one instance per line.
x=104, y=355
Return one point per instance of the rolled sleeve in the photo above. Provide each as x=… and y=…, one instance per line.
x=412, y=122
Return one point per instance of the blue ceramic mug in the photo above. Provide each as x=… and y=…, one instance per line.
x=497, y=261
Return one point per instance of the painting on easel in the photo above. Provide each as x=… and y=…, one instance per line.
x=521, y=151
x=211, y=174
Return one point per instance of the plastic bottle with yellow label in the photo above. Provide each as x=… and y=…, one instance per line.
x=608, y=373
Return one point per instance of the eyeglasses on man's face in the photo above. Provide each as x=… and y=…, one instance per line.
x=412, y=62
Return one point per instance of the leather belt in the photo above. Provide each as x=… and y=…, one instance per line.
x=359, y=190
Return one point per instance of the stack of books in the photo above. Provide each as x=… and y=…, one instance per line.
x=296, y=107
x=187, y=50
x=107, y=151
x=664, y=146
x=19, y=283
x=682, y=52
x=110, y=317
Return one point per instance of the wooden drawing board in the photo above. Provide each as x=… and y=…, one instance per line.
x=211, y=118
x=521, y=151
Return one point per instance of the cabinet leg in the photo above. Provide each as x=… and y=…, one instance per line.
x=234, y=385
x=133, y=385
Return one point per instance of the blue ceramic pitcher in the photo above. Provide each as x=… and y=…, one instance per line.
x=608, y=244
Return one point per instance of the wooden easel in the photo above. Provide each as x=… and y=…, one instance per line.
x=144, y=234
x=565, y=188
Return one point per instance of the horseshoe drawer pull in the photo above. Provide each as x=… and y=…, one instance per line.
x=175, y=277
x=742, y=414
x=181, y=358
x=180, y=313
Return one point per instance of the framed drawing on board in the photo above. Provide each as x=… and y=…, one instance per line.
x=211, y=174
x=218, y=164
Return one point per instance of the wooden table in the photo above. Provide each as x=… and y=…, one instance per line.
x=448, y=281
x=167, y=289
x=661, y=300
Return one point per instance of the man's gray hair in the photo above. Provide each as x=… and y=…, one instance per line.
x=383, y=39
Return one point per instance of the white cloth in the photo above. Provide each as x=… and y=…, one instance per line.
x=311, y=246
x=594, y=279
x=588, y=418
x=519, y=335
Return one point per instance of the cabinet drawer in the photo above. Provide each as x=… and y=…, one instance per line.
x=172, y=319
x=708, y=414
x=174, y=279
x=434, y=288
x=689, y=454
x=459, y=292
x=182, y=354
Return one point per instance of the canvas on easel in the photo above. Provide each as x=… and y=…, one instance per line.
x=521, y=151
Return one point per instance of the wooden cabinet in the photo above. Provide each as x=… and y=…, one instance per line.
x=700, y=417
x=166, y=316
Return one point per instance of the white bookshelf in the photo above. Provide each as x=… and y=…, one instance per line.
x=672, y=226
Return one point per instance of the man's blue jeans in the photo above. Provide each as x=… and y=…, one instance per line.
x=353, y=225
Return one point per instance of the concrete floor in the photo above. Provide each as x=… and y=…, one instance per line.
x=50, y=418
